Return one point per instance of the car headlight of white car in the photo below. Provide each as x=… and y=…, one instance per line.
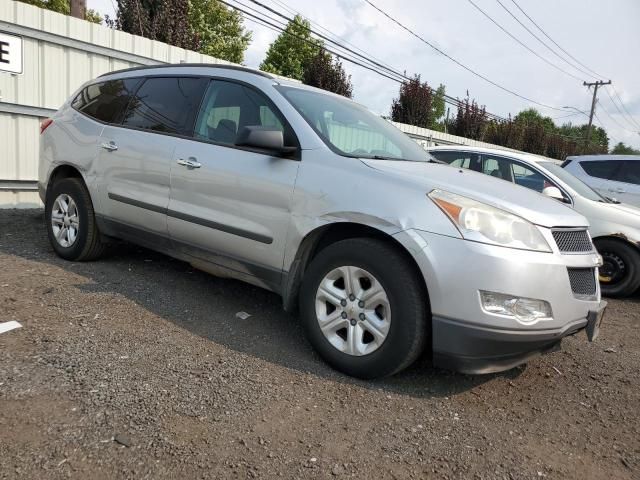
x=483, y=223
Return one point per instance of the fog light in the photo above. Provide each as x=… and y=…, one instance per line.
x=525, y=310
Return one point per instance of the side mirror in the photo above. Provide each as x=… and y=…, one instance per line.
x=264, y=138
x=555, y=193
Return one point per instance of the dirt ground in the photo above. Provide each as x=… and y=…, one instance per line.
x=136, y=366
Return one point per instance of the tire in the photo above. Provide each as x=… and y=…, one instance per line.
x=403, y=314
x=620, y=274
x=87, y=244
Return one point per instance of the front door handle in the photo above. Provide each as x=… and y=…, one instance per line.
x=189, y=163
x=111, y=146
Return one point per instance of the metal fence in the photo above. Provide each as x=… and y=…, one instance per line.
x=59, y=54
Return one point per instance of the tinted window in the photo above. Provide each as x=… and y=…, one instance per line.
x=228, y=107
x=458, y=159
x=166, y=104
x=601, y=169
x=105, y=101
x=629, y=172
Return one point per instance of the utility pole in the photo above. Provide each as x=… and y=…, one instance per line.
x=78, y=8
x=593, y=105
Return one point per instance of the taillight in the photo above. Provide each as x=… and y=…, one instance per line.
x=45, y=124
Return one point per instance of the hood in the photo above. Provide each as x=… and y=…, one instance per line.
x=515, y=199
x=624, y=215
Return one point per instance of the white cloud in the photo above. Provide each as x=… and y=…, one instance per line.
x=602, y=35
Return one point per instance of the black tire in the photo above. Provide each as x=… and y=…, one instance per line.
x=408, y=331
x=620, y=274
x=88, y=244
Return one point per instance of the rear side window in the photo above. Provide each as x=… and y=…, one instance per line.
x=497, y=167
x=629, y=172
x=601, y=169
x=105, y=101
x=526, y=177
x=166, y=104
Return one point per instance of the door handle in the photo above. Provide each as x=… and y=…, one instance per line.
x=189, y=163
x=111, y=146
x=618, y=190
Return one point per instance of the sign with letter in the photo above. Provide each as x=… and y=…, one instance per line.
x=10, y=53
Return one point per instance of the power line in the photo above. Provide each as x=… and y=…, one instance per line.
x=520, y=42
x=597, y=75
x=630, y=119
x=541, y=41
x=615, y=121
x=460, y=64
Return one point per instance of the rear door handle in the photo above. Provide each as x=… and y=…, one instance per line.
x=111, y=146
x=189, y=163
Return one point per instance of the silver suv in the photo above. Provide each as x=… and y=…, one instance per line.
x=385, y=253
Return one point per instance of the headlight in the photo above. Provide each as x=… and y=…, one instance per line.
x=480, y=222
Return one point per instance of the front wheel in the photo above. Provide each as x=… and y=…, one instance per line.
x=364, y=308
x=620, y=273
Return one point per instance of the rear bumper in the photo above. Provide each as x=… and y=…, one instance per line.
x=476, y=349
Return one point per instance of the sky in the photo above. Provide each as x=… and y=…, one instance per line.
x=603, y=35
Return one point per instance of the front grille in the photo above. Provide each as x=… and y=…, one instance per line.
x=572, y=241
x=583, y=281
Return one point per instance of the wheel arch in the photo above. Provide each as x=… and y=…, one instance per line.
x=618, y=237
x=62, y=171
x=323, y=236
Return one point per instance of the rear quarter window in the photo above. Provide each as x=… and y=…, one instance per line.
x=105, y=101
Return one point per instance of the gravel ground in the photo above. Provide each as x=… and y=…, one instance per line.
x=136, y=366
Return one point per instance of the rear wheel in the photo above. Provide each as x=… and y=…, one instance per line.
x=70, y=221
x=620, y=273
x=364, y=308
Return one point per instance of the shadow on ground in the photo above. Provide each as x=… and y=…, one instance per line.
x=207, y=306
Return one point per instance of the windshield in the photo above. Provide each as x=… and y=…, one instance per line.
x=350, y=129
x=579, y=186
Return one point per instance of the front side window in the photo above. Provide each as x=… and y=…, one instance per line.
x=629, y=172
x=165, y=104
x=228, y=107
x=350, y=129
x=497, y=167
x=105, y=101
x=458, y=159
x=526, y=177
x=601, y=169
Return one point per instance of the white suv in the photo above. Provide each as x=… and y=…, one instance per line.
x=614, y=176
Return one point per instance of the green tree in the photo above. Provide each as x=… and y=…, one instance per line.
x=531, y=116
x=63, y=6
x=322, y=71
x=218, y=30
x=622, y=149
x=418, y=104
x=292, y=50
x=599, y=139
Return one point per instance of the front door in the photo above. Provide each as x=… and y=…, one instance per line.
x=231, y=206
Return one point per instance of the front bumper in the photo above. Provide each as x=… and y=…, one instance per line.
x=467, y=338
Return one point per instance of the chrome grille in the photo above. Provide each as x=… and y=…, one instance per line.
x=572, y=241
x=583, y=281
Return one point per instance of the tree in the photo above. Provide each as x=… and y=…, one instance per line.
x=418, y=104
x=63, y=6
x=471, y=120
x=163, y=20
x=599, y=140
x=622, y=149
x=292, y=50
x=218, y=30
x=324, y=72
x=532, y=117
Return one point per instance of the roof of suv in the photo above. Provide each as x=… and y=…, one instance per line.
x=191, y=65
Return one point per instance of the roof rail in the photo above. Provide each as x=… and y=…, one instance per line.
x=206, y=65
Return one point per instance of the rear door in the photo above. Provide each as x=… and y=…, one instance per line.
x=231, y=206
x=625, y=184
x=135, y=156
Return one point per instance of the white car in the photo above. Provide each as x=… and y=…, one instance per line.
x=611, y=175
x=614, y=227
